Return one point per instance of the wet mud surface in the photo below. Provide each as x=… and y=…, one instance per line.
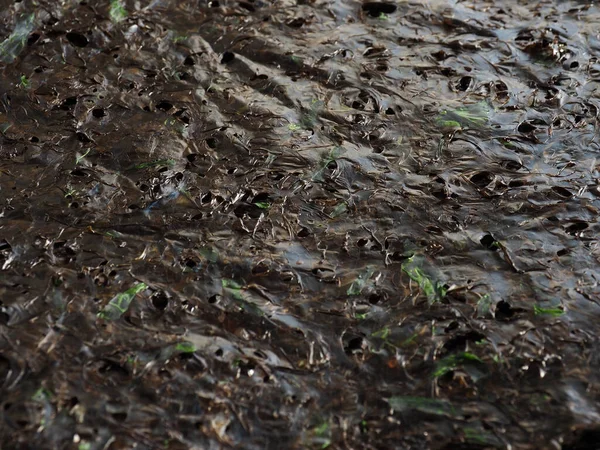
x=299, y=224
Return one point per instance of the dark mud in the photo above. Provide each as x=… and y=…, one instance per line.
x=280, y=224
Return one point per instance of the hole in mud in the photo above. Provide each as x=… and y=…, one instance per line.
x=304, y=232
x=68, y=103
x=489, y=242
x=464, y=83
x=189, y=61
x=562, y=192
x=376, y=9
x=119, y=416
x=33, y=38
x=511, y=165
x=211, y=142
x=164, y=106
x=354, y=345
x=79, y=173
x=227, y=57
x=504, y=310
x=362, y=242
x=159, y=300
x=576, y=227
x=247, y=6
x=298, y=22
x=461, y=341
x=77, y=39
x=375, y=298
x=206, y=198
x=482, y=179
x=98, y=112
x=526, y=127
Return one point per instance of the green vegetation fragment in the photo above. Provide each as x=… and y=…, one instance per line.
x=16, y=41
x=185, y=347
x=120, y=303
x=4, y=127
x=453, y=362
x=230, y=284
x=435, y=291
x=78, y=159
x=359, y=284
x=481, y=437
x=409, y=340
x=483, y=305
x=424, y=405
x=310, y=115
x=326, y=159
x=383, y=16
x=84, y=445
x=42, y=395
x=234, y=287
x=470, y=116
x=263, y=205
x=118, y=12
x=339, y=210
x=209, y=254
x=158, y=162
x=24, y=82
x=322, y=435
x=294, y=127
x=381, y=334
x=554, y=312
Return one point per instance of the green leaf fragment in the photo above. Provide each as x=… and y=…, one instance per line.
x=24, y=82
x=158, y=162
x=453, y=362
x=339, y=210
x=435, y=291
x=470, y=116
x=359, y=283
x=118, y=12
x=120, y=303
x=554, y=312
x=263, y=205
x=209, y=254
x=381, y=334
x=230, y=284
x=185, y=347
x=78, y=159
x=483, y=305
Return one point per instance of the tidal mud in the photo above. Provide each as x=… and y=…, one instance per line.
x=299, y=224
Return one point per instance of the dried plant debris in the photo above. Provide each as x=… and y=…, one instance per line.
x=257, y=224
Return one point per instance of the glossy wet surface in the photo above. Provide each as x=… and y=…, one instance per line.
x=299, y=224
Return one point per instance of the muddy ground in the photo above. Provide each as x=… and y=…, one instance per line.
x=299, y=224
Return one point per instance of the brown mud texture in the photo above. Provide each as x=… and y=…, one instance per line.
x=272, y=224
